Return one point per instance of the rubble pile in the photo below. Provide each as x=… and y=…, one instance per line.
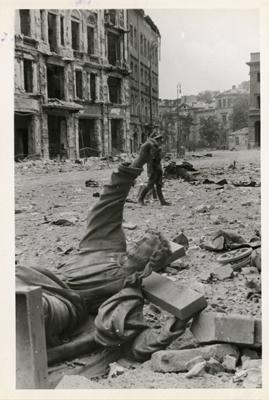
x=216, y=221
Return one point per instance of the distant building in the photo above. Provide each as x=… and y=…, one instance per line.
x=238, y=140
x=180, y=122
x=255, y=101
x=71, y=83
x=143, y=57
x=225, y=103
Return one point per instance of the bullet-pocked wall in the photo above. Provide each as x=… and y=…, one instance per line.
x=71, y=81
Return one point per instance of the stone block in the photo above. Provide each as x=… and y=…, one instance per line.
x=180, y=301
x=175, y=360
x=229, y=363
x=31, y=354
x=218, y=327
x=178, y=251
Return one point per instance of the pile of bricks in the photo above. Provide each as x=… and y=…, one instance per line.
x=226, y=343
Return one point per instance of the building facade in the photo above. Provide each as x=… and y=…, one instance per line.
x=238, y=140
x=180, y=123
x=143, y=57
x=226, y=103
x=254, y=123
x=71, y=83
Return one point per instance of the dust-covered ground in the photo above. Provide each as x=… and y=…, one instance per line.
x=46, y=192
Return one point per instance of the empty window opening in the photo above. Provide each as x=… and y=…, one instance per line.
x=42, y=17
x=55, y=79
x=135, y=38
x=62, y=30
x=145, y=47
x=93, y=86
x=88, y=138
x=131, y=35
x=52, y=35
x=25, y=22
x=259, y=101
x=57, y=132
x=113, y=45
x=114, y=87
x=75, y=35
x=90, y=39
x=28, y=75
x=116, y=136
x=23, y=134
x=79, y=90
x=258, y=76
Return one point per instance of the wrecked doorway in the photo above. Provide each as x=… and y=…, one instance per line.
x=116, y=136
x=88, y=140
x=23, y=136
x=57, y=132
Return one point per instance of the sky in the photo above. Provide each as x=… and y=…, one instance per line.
x=204, y=49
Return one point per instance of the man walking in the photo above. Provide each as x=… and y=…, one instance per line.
x=155, y=171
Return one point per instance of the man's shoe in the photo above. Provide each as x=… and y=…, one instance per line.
x=165, y=203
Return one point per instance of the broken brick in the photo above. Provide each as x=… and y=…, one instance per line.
x=180, y=301
x=217, y=327
x=175, y=360
x=178, y=251
x=197, y=370
x=229, y=363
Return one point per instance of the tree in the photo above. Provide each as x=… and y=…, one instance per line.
x=244, y=86
x=240, y=112
x=209, y=130
x=205, y=96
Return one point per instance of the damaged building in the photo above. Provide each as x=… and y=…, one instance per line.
x=71, y=83
x=143, y=56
